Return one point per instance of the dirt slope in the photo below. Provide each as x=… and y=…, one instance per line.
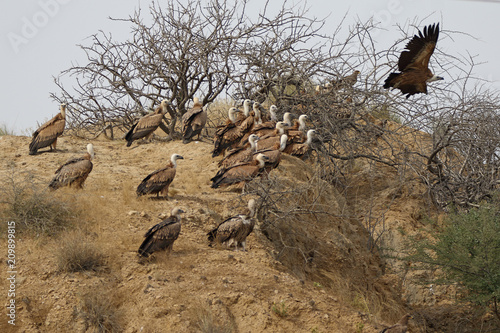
x=347, y=288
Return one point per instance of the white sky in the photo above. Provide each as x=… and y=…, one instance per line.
x=39, y=38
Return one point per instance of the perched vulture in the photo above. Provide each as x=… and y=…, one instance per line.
x=400, y=327
x=247, y=104
x=414, y=64
x=240, y=173
x=301, y=150
x=235, y=229
x=297, y=133
x=272, y=113
x=274, y=153
x=261, y=130
x=147, y=124
x=193, y=121
x=347, y=81
x=163, y=235
x=240, y=154
x=270, y=140
x=159, y=181
x=227, y=134
x=47, y=134
x=74, y=172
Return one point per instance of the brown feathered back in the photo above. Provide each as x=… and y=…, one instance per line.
x=193, y=121
x=163, y=235
x=147, y=124
x=47, y=134
x=74, y=172
x=235, y=229
x=414, y=63
x=159, y=181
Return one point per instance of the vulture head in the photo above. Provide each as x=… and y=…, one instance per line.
x=232, y=114
x=261, y=158
x=283, y=141
x=246, y=107
x=434, y=78
x=177, y=212
x=302, y=122
x=63, y=110
x=174, y=159
x=163, y=106
x=273, y=112
x=252, y=139
x=251, y=207
x=287, y=118
x=310, y=136
x=281, y=126
x=90, y=150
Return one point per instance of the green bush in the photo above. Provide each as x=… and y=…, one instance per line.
x=467, y=249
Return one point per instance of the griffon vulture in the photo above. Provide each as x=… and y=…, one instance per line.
x=234, y=229
x=193, y=121
x=414, y=64
x=400, y=327
x=227, y=134
x=301, y=150
x=273, y=153
x=147, y=124
x=241, y=153
x=240, y=173
x=74, y=172
x=47, y=134
x=159, y=181
x=297, y=133
x=347, y=81
x=163, y=235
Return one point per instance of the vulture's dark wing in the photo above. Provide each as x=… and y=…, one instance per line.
x=420, y=48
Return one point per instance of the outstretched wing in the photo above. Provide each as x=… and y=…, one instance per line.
x=420, y=48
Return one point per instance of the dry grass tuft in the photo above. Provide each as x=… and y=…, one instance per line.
x=76, y=254
x=100, y=312
x=33, y=207
x=206, y=321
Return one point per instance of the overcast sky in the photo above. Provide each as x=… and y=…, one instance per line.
x=39, y=40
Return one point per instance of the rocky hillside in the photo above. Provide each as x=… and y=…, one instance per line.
x=313, y=270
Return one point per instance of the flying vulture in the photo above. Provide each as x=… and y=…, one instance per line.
x=240, y=173
x=159, y=181
x=47, y=134
x=74, y=172
x=193, y=121
x=147, y=124
x=241, y=153
x=413, y=64
x=163, y=235
x=235, y=229
x=400, y=327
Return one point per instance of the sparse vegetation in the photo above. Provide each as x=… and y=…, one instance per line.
x=207, y=322
x=33, y=207
x=467, y=250
x=4, y=130
x=100, y=312
x=76, y=254
x=281, y=309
